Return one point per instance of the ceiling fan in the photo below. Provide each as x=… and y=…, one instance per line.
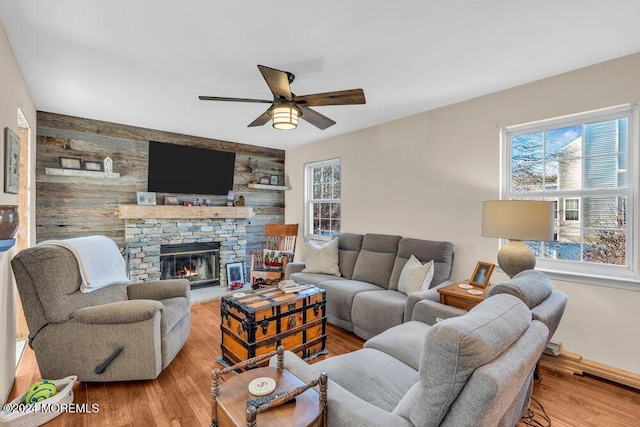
x=286, y=107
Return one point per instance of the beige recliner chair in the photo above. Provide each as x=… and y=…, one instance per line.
x=116, y=333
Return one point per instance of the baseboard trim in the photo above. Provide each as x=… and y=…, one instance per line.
x=574, y=364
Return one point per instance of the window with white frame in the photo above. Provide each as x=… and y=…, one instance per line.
x=322, y=198
x=586, y=164
x=572, y=209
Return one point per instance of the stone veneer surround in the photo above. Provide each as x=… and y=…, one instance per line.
x=143, y=238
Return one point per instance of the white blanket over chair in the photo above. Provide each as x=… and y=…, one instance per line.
x=99, y=259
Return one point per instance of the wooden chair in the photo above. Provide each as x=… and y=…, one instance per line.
x=260, y=405
x=279, y=237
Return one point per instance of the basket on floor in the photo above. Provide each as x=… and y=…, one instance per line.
x=41, y=412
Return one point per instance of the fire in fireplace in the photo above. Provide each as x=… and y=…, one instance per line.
x=197, y=262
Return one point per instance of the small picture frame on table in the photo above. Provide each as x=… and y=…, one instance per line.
x=74, y=163
x=146, y=198
x=264, y=180
x=235, y=275
x=481, y=274
x=92, y=166
x=273, y=180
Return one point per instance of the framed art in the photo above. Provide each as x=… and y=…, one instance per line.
x=146, y=198
x=70, y=162
x=264, y=180
x=235, y=272
x=170, y=200
x=273, y=180
x=11, y=161
x=92, y=166
x=481, y=274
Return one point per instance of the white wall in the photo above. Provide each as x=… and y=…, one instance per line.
x=13, y=95
x=426, y=176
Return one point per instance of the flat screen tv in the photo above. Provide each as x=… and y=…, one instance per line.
x=189, y=170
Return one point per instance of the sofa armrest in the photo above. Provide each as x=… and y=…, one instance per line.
x=429, y=312
x=550, y=311
x=293, y=267
x=440, y=285
x=428, y=294
x=120, y=312
x=344, y=408
x=159, y=290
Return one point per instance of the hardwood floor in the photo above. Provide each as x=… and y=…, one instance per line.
x=180, y=395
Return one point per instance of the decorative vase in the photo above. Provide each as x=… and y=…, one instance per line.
x=8, y=221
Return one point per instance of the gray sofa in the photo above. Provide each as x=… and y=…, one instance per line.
x=365, y=298
x=472, y=370
x=72, y=332
x=531, y=287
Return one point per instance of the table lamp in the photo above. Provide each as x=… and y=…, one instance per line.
x=517, y=220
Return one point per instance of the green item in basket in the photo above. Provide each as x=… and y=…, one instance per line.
x=41, y=390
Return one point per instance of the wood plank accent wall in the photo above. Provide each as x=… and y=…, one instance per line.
x=80, y=206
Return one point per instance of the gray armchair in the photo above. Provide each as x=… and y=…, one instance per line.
x=116, y=333
x=473, y=370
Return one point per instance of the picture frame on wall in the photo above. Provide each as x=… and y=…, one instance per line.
x=74, y=163
x=273, y=180
x=92, y=166
x=171, y=200
x=481, y=274
x=146, y=198
x=264, y=180
x=11, y=161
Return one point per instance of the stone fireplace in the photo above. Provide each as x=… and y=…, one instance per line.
x=157, y=239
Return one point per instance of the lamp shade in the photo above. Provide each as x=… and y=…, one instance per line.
x=517, y=219
x=285, y=116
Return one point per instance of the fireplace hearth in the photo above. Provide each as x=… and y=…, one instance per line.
x=197, y=262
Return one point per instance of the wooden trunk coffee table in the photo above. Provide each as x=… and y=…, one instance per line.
x=258, y=321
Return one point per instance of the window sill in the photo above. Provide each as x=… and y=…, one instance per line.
x=629, y=284
x=317, y=237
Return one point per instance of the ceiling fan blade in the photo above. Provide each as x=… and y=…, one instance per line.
x=318, y=120
x=222, y=98
x=261, y=120
x=278, y=82
x=340, y=97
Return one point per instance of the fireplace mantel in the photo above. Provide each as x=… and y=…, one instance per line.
x=172, y=212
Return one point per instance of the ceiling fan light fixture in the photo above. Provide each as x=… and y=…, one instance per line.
x=285, y=116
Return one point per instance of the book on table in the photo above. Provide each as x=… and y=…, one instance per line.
x=288, y=286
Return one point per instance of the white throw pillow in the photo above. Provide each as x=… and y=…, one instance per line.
x=322, y=258
x=426, y=284
x=415, y=276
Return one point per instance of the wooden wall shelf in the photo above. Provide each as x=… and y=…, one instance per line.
x=170, y=212
x=81, y=173
x=267, y=186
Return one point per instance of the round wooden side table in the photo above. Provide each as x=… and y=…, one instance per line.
x=304, y=411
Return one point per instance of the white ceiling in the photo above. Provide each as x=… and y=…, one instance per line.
x=144, y=62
